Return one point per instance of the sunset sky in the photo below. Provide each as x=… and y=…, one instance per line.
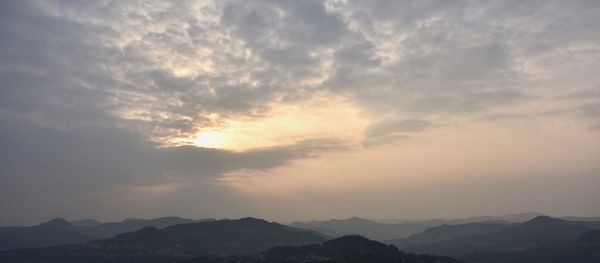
x=295, y=110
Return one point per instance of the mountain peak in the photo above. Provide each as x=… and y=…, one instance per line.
x=356, y=218
x=545, y=221
x=251, y=219
x=57, y=222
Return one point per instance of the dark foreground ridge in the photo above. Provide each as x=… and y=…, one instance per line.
x=348, y=249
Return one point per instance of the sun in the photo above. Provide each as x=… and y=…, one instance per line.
x=210, y=139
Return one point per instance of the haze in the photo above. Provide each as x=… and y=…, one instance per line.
x=295, y=110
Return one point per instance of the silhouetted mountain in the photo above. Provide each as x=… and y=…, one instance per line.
x=107, y=230
x=52, y=233
x=541, y=239
x=59, y=231
x=546, y=221
x=512, y=218
x=585, y=249
x=57, y=222
x=539, y=232
x=86, y=222
x=363, y=227
x=448, y=232
x=347, y=249
x=222, y=237
x=581, y=219
x=176, y=243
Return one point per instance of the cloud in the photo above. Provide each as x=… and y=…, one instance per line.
x=387, y=131
x=164, y=68
x=51, y=165
x=96, y=94
x=387, y=126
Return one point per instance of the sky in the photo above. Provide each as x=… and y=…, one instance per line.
x=295, y=110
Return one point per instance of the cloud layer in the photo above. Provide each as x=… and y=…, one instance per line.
x=97, y=96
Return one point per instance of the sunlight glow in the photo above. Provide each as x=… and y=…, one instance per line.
x=210, y=139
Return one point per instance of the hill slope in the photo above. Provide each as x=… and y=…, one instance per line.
x=348, y=249
x=206, y=240
x=52, y=233
x=363, y=227
x=222, y=237
x=448, y=232
x=538, y=232
x=108, y=230
x=59, y=231
x=585, y=249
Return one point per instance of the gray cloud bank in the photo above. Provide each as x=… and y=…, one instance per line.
x=88, y=89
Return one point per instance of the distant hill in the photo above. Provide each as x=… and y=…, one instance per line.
x=585, y=249
x=86, y=222
x=59, y=231
x=581, y=219
x=538, y=232
x=52, y=233
x=107, y=230
x=221, y=237
x=448, y=232
x=206, y=240
x=363, y=227
x=511, y=218
x=57, y=222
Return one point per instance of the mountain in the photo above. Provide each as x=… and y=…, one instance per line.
x=448, y=232
x=51, y=233
x=581, y=219
x=57, y=222
x=85, y=222
x=511, y=218
x=108, y=230
x=59, y=231
x=538, y=232
x=363, y=227
x=205, y=240
x=221, y=237
x=585, y=249
x=347, y=249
